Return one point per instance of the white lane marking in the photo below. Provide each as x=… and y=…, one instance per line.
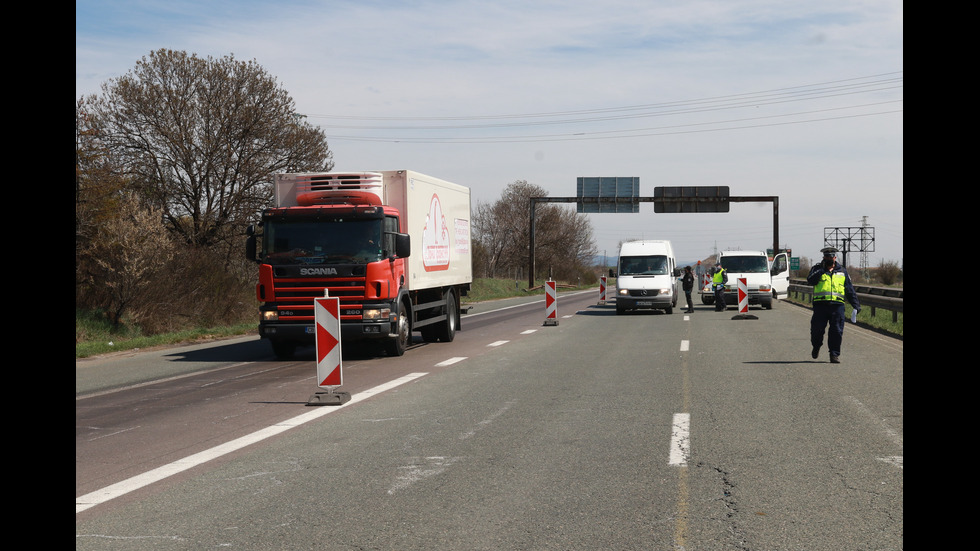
x=685, y=346
x=529, y=331
x=498, y=343
x=526, y=303
x=892, y=434
x=450, y=361
x=680, y=443
x=139, y=481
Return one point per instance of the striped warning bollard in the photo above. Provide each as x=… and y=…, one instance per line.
x=329, y=358
x=743, y=302
x=602, y=290
x=550, y=303
x=743, y=296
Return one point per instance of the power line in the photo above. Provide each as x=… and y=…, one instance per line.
x=422, y=132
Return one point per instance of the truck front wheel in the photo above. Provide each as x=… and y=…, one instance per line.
x=283, y=350
x=399, y=342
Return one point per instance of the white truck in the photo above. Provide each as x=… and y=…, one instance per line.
x=394, y=246
x=646, y=277
x=765, y=281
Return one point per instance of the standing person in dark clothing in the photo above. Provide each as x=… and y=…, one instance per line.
x=831, y=288
x=687, y=282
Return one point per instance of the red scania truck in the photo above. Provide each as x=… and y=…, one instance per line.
x=394, y=246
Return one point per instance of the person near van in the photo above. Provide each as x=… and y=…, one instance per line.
x=831, y=288
x=687, y=282
x=718, y=281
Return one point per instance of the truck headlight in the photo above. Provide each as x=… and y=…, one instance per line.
x=270, y=315
x=622, y=292
x=376, y=314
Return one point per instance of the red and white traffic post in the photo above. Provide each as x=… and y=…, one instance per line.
x=329, y=359
x=743, y=296
x=550, y=303
x=602, y=290
x=743, y=301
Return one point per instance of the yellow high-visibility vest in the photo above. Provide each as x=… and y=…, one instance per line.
x=830, y=287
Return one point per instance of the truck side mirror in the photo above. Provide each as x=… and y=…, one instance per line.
x=403, y=245
x=251, y=243
x=250, y=248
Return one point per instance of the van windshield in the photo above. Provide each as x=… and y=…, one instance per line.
x=643, y=265
x=745, y=264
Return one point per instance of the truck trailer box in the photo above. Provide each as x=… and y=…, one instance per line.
x=434, y=213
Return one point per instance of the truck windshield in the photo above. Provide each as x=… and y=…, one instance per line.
x=745, y=264
x=643, y=265
x=322, y=241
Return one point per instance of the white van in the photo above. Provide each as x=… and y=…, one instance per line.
x=646, y=277
x=764, y=281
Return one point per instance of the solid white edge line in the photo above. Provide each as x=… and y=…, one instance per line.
x=680, y=439
x=139, y=481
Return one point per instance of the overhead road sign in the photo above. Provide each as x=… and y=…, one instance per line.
x=607, y=194
x=691, y=199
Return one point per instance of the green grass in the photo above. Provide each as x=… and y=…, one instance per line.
x=882, y=321
x=94, y=335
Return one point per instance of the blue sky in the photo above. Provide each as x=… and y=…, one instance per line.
x=802, y=100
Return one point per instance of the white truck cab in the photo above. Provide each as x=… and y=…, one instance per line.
x=646, y=277
x=764, y=281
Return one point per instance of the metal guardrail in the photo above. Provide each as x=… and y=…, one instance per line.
x=885, y=298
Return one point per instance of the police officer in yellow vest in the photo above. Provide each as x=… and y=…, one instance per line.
x=831, y=288
x=718, y=281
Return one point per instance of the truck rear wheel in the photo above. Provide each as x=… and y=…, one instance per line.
x=447, y=329
x=403, y=335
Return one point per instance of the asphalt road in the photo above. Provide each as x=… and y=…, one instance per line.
x=643, y=431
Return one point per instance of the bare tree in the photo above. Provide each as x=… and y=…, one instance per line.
x=201, y=138
x=563, y=242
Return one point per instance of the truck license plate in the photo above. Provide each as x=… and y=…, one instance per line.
x=310, y=330
x=644, y=303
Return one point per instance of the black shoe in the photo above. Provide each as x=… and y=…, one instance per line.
x=815, y=352
x=835, y=358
